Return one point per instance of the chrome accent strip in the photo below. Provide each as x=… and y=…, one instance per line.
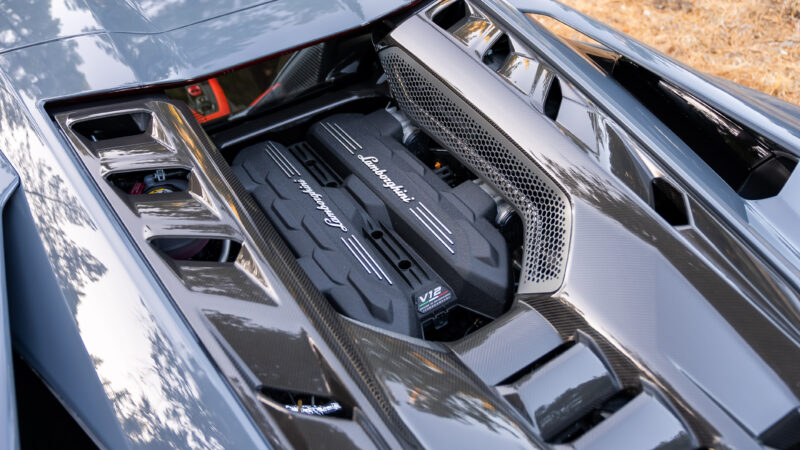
x=273, y=153
x=268, y=151
x=364, y=255
x=358, y=248
x=351, y=138
x=347, y=244
x=327, y=127
x=433, y=224
x=435, y=218
x=377, y=266
x=450, y=249
x=284, y=159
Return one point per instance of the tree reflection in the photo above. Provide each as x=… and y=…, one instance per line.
x=159, y=394
x=56, y=213
x=233, y=284
x=421, y=374
x=606, y=197
x=279, y=358
x=155, y=398
x=159, y=404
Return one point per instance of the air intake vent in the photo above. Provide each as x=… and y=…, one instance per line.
x=112, y=127
x=498, y=53
x=302, y=403
x=475, y=141
x=191, y=249
x=450, y=15
x=752, y=165
x=149, y=182
x=552, y=102
x=669, y=202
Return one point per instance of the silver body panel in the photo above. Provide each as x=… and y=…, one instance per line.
x=699, y=315
x=9, y=433
x=101, y=330
x=663, y=302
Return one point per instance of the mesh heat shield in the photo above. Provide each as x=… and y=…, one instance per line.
x=455, y=124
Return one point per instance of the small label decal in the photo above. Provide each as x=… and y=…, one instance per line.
x=330, y=217
x=432, y=298
x=398, y=189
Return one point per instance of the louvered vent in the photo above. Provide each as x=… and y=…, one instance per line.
x=177, y=198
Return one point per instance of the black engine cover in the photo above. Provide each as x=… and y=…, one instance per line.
x=381, y=235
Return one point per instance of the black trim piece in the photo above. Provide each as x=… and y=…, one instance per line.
x=112, y=127
x=785, y=433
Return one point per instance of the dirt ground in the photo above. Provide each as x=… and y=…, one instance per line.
x=752, y=42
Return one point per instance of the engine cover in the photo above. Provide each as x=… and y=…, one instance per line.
x=382, y=236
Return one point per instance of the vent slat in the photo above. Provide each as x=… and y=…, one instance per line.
x=180, y=214
x=563, y=390
x=643, y=423
x=516, y=340
x=148, y=154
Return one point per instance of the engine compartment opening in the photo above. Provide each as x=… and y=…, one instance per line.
x=392, y=228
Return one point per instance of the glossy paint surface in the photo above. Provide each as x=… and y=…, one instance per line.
x=242, y=310
x=9, y=435
x=631, y=276
x=565, y=389
x=762, y=223
x=24, y=22
x=642, y=423
x=101, y=330
x=508, y=344
x=105, y=329
x=131, y=51
x=439, y=400
x=30, y=23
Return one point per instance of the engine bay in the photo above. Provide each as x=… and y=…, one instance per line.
x=394, y=231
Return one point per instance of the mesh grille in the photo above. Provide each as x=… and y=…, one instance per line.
x=544, y=209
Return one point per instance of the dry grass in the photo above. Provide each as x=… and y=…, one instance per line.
x=752, y=42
